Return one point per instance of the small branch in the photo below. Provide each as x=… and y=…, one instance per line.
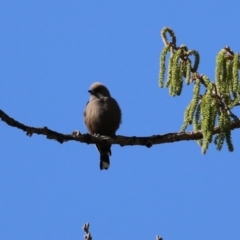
x=120, y=140
x=233, y=116
x=196, y=76
x=87, y=235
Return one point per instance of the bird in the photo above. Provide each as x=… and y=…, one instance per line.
x=102, y=116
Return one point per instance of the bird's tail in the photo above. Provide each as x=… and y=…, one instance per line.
x=105, y=152
x=104, y=161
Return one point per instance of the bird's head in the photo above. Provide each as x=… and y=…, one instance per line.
x=98, y=90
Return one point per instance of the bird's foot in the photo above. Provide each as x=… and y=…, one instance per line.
x=76, y=133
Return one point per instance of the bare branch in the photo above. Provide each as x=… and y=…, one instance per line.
x=120, y=140
x=87, y=235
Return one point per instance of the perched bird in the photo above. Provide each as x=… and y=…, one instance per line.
x=102, y=116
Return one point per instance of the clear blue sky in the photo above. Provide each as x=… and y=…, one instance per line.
x=50, y=53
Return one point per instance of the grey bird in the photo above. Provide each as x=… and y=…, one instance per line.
x=102, y=116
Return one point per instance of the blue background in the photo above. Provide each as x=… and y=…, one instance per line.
x=50, y=53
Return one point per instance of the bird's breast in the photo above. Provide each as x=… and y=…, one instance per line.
x=102, y=116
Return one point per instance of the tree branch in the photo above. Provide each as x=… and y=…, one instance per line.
x=87, y=235
x=120, y=140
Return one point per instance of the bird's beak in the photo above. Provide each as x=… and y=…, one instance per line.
x=92, y=92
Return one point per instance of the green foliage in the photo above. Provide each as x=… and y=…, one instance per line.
x=206, y=80
x=162, y=65
x=176, y=81
x=235, y=73
x=171, y=33
x=213, y=107
x=179, y=66
x=221, y=76
x=189, y=113
x=188, y=71
x=197, y=122
x=209, y=109
x=197, y=59
x=225, y=131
